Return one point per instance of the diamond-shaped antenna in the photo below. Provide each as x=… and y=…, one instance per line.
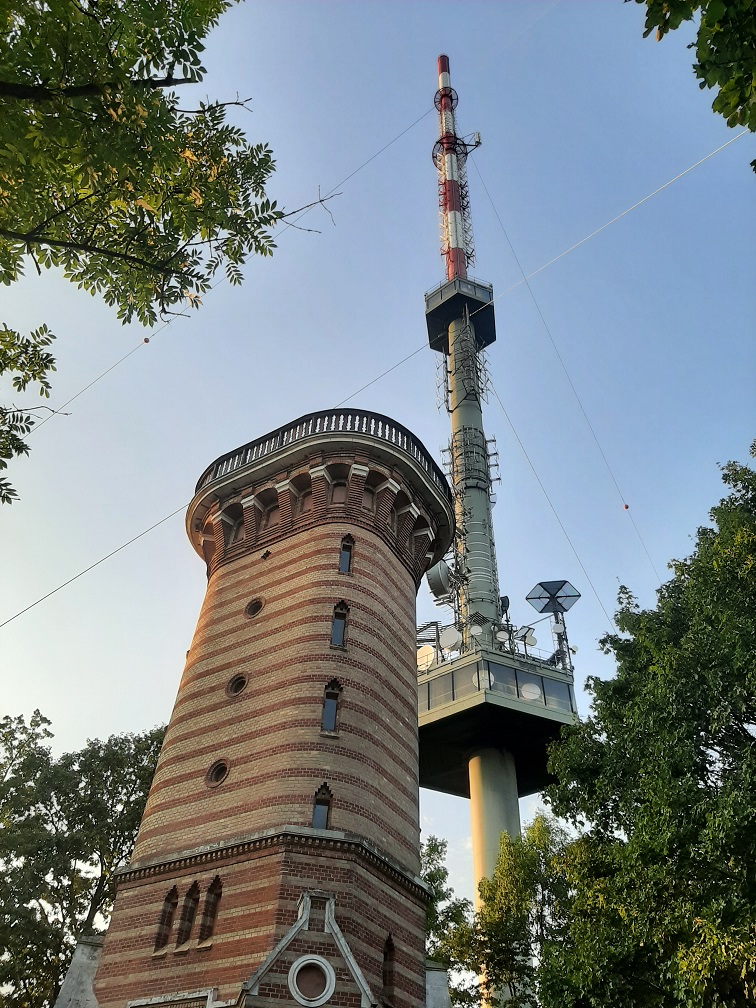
x=553, y=596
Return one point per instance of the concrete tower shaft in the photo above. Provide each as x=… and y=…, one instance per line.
x=282, y=826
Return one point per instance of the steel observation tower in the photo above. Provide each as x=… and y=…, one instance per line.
x=488, y=703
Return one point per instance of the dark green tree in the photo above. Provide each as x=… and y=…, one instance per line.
x=725, y=50
x=66, y=826
x=651, y=901
x=107, y=175
x=662, y=777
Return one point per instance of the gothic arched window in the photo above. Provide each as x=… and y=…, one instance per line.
x=210, y=909
x=188, y=913
x=165, y=922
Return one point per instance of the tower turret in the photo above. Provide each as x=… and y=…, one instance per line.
x=278, y=857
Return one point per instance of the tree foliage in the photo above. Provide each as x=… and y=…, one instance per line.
x=725, y=50
x=651, y=901
x=503, y=950
x=105, y=174
x=66, y=826
x=445, y=911
x=663, y=776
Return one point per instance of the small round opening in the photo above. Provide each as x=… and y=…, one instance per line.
x=311, y=981
x=217, y=773
x=236, y=685
x=253, y=608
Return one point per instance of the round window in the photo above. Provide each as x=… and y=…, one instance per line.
x=217, y=773
x=253, y=608
x=312, y=980
x=236, y=685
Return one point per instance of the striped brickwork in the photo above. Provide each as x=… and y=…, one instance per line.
x=251, y=702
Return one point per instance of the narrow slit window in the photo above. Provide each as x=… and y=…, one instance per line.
x=345, y=555
x=321, y=808
x=188, y=913
x=338, y=624
x=388, y=971
x=210, y=910
x=330, y=706
x=165, y=923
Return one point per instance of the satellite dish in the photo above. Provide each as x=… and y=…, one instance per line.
x=553, y=596
x=426, y=655
x=476, y=629
x=502, y=635
x=530, y=691
x=450, y=638
x=438, y=581
x=529, y=640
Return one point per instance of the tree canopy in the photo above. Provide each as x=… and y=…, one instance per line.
x=649, y=901
x=105, y=173
x=66, y=826
x=725, y=50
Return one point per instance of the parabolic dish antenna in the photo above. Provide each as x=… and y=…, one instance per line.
x=553, y=596
x=426, y=655
x=450, y=638
x=438, y=581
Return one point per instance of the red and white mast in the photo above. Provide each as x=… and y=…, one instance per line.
x=450, y=154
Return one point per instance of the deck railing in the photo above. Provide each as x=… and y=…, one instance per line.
x=339, y=421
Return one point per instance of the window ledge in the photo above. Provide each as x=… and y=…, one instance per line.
x=329, y=734
x=159, y=953
x=182, y=949
x=338, y=647
x=206, y=944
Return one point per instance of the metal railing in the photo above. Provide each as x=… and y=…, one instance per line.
x=339, y=421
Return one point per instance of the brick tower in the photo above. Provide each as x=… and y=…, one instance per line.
x=278, y=856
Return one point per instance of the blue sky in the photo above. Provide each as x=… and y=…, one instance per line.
x=653, y=318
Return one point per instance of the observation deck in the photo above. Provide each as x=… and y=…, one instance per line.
x=496, y=699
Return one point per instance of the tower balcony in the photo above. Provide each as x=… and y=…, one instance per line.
x=447, y=302
x=490, y=699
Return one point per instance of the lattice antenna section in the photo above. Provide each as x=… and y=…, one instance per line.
x=449, y=155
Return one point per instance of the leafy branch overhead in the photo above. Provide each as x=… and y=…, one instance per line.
x=103, y=175
x=725, y=49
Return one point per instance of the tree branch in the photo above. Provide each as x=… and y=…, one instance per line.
x=30, y=239
x=42, y=93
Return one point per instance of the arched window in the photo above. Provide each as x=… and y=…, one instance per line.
x=338, y=624
x=321, y=808
x=165, y=922
x=345, y=555
x=271, y=517
x=210, y=909
x=233, y=524
x=388, y=971
x=393, y=519
x=330, y=705
x=208, y=542
x=188, y=913
x=305, y=503
x=339, y=493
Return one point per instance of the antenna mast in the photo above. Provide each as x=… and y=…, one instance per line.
x=460, y=319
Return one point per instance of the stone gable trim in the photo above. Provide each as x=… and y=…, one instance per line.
x=292, y=837
x=252, y=986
